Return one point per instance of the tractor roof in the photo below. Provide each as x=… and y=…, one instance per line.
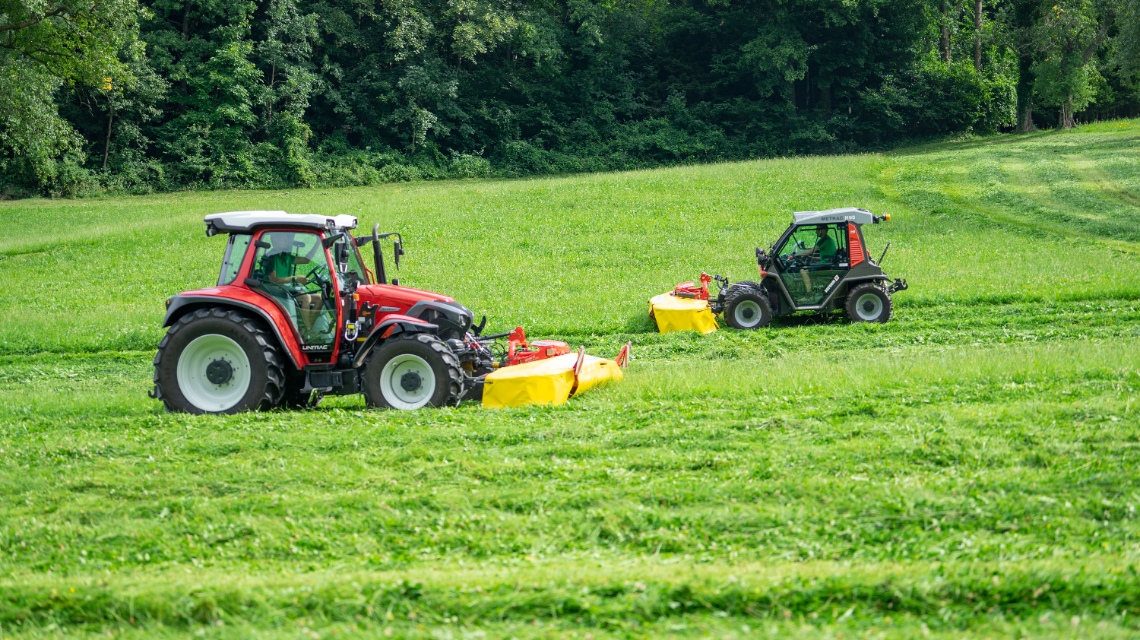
x=245, y=221
x=846, y=214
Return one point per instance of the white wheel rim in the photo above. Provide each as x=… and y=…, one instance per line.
x=403, y=370
x=747, y=313
x=193, y=379
x=869, y=307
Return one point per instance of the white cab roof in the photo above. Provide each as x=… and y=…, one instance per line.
x=846, y=214
x=244, y=221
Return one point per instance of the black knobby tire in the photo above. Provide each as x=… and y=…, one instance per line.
x=266, y=375
x=869, y=302
x=746, y=307
x=407, y=354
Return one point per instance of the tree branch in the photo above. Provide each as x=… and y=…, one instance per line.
x=1101, y=32
x=34, y=20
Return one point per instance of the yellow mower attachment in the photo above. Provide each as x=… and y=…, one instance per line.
x=551, y=380
x=680, y=314
x=685, y=308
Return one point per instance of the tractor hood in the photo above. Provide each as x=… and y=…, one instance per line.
x=395, y=296
x=454, y=319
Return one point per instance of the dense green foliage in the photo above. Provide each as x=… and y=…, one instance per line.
x=169, y=94
x=967, y=470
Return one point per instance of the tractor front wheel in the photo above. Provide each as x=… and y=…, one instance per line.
x=747, y=308
x=217, y=361
x=410, y=371
x=869, y=302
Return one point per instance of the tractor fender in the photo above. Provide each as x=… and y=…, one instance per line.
x=748, y=284
x=392, y=325
x=182, y=304
x=454, y=319
x=717, y=305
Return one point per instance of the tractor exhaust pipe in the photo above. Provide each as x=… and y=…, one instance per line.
x=378, y=255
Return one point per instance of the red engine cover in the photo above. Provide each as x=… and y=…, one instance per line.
x=392, y=299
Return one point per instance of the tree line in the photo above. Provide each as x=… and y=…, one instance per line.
x=138, y=96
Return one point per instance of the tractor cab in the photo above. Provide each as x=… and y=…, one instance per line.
x=810, y=258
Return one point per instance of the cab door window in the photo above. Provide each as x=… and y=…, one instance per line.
x=235, y=253
x=811, y=259
x=292, y=268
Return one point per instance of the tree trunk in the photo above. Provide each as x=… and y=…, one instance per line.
x=945, y=34
x=1067, y=121
x=107, y=142
x=978, y=36
x=1025, y=93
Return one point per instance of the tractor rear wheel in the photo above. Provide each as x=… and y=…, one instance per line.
x=747, y=308
x=217, y=360
x=869, y=302
x=410, y=371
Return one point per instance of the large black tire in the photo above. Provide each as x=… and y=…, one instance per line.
x=869, y=302
x=410, y=371
x=260, y=386
x=746, y=308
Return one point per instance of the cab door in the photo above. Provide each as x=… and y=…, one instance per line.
x=808, y=268
x=292, y=268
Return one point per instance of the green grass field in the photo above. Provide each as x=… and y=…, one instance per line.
x=969, y=470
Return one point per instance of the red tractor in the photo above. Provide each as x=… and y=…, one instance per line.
x=296, y=316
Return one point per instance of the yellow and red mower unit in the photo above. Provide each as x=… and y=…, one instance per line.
x=685, y=308
x=546, y=372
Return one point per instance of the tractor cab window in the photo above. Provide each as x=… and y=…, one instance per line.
x=291, y=267
x=235, y=254
x=355, y=264
x=811, y=260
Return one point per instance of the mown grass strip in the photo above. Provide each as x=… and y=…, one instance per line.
x=598, y=595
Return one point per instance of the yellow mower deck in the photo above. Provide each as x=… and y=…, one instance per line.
x=681, y=314
x=551, y=381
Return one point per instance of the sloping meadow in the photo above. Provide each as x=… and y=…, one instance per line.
x=967, y=470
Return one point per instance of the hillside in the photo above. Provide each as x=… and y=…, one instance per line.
x=967, y=470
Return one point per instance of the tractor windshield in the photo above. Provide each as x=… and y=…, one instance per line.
x=355, y=264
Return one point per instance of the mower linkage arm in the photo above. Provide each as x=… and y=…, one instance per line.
x=897, y=285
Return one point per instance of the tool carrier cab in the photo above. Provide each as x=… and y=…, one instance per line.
x=819, y=264
x=296, y=315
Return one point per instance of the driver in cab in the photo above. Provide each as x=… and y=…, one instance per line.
x=280, y=267
x=823, y=251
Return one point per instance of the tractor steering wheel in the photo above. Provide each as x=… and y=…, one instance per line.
x=320, y=275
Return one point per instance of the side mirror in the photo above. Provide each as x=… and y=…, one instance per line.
x=331, y=240
x=398, y=250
